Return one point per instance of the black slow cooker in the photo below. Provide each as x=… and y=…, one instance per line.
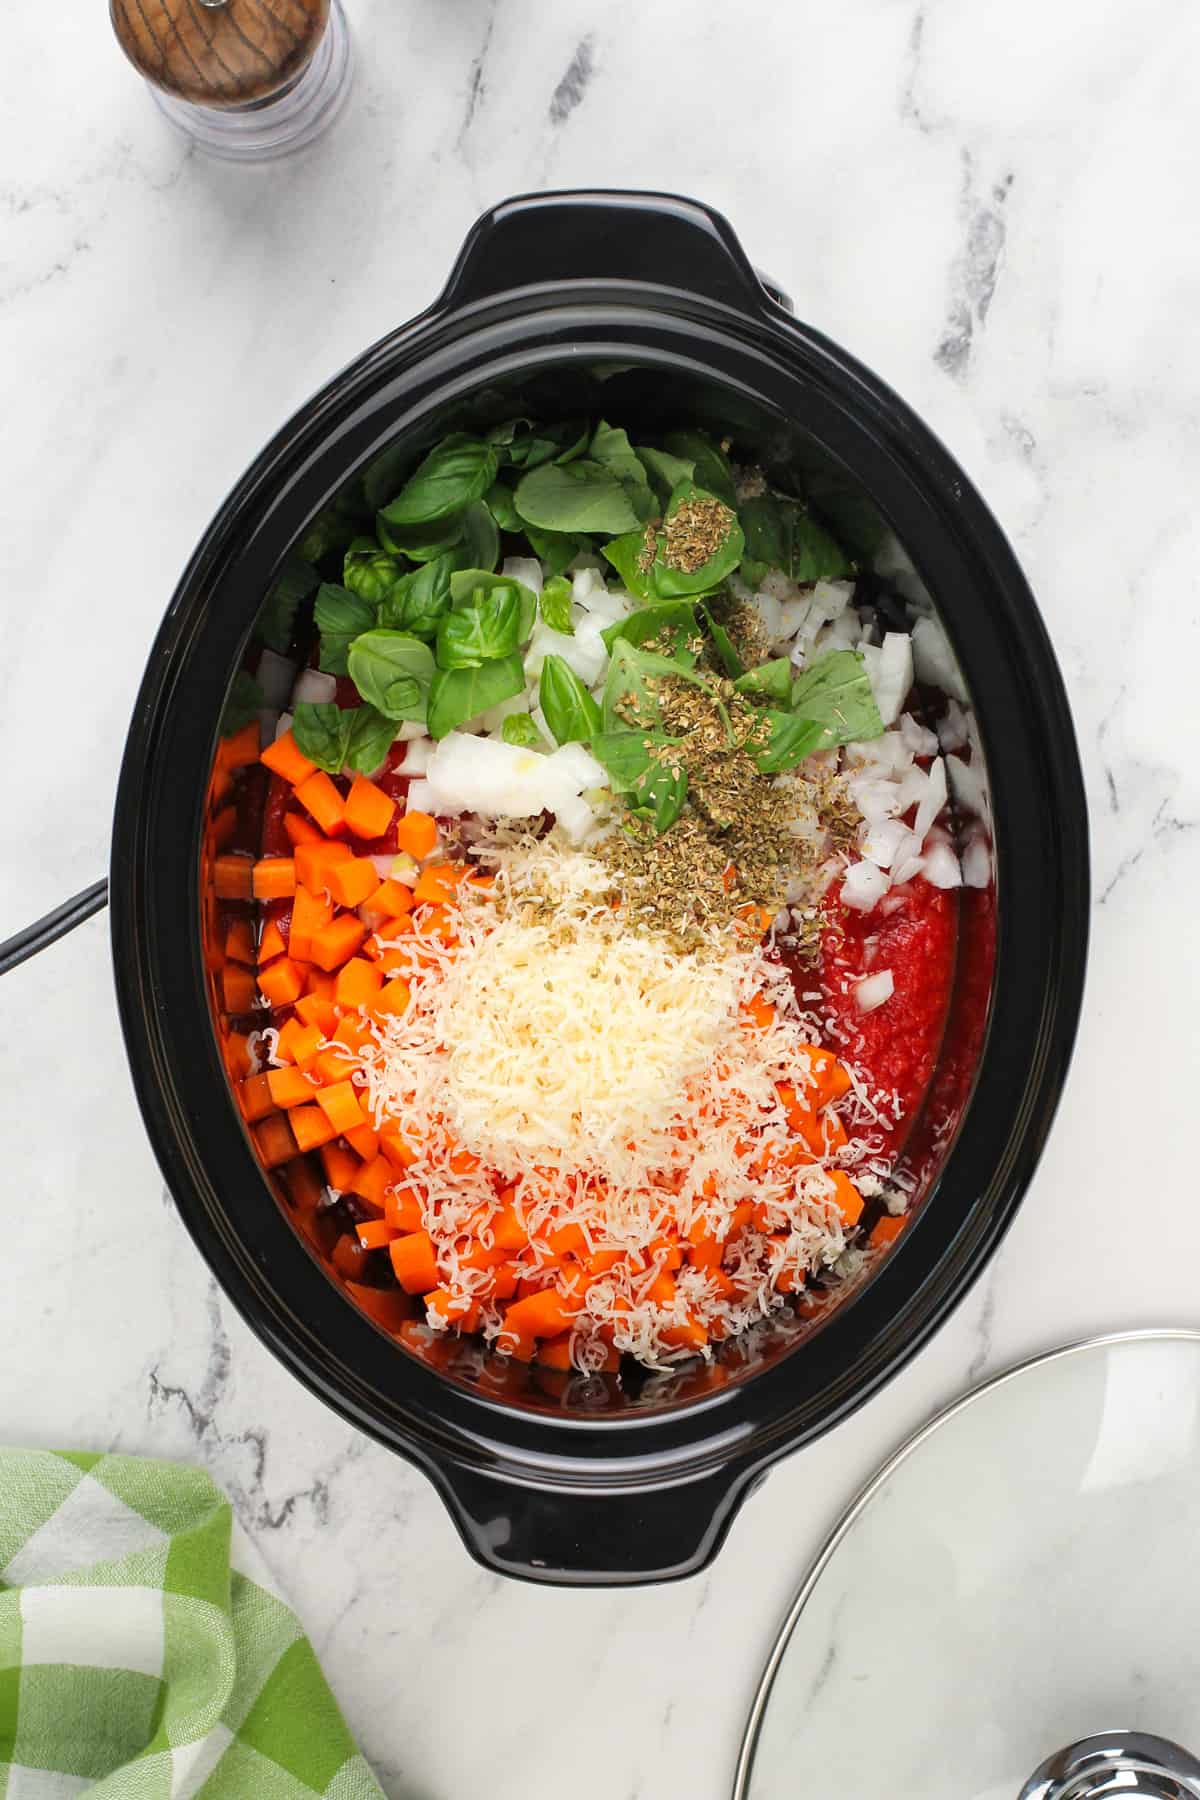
x=646, y=305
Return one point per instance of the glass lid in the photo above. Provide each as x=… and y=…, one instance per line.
x=1009, y=1609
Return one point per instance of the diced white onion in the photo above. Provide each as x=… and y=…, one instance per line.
x=940, y=865
x=283, y=725
x=411, y=728
x=498, y=780
x=417, y=753
x=274, y=676
x=952, y=727
x=524, y=568
x=588, y=585
x=968, y=785
x=268, y=725
x=894, y=676
x=405, y=868
x=864, y=884
x=420, y=797
x=875, y=797
x=977, y=860
x=874, y=990
x=883, y=840
x=934, y=797
x=829, y=599
x=383, y=865
x=314, y=688
x=935, y=661
x=916, y=738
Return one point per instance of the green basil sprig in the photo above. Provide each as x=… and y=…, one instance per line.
x=458, y=695
x=457, y=471
x=571, y=713
x=392, y=670
x=340, y=617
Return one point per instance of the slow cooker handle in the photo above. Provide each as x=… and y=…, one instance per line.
x=611, y=236
x=594, y=1539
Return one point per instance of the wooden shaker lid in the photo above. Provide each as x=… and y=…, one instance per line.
x=219, y=52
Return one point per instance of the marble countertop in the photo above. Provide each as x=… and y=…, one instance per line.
x=989, y=205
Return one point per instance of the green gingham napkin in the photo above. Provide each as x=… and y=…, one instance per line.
x=136, y=1661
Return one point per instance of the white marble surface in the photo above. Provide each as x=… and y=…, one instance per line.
x=991, y=205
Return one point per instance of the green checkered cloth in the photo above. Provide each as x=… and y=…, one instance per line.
x=137, y=1662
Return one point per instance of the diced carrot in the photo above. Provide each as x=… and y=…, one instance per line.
x=274, y=1140
x=662, y=1290
x=368, y=809
x=521, y=1348
x=354, y=1033
x=333, y=1065
x=569, y=1240
x=274, y=878
x=341, y=1107
x=742, y=1214
x=832, y=1079
x=508, y=1233
x=358, y=981
x=310, y=914
x=224, y=827
x=729, y=877
x=705, y=1251
x=338, y=941
x=415, y=1262
x=322, y=985
x=311, y=1127
x=760, y=1011
x=372, y=1182
x=301, y=830
x=297, y=1043
x=691, y=1335
x=254, y=1098
x=239, y=990
x=364, y=1141
x=319, y=797
x=321, y=1013
x=543, y=1314
x=555, y=1353
x=504, y=1282
x=349, y=1258
x=219, y=785
x=835, y=1137
x=417, y=833
x=314, y=861
x=285, y=758
x=392, y=998
x=396, y=1148
x=239, y=942
x=290, y=1087
x=235, y=1050
x=374, y=1234
x=281, y=982
x=352, y=882
x=402, y=1208
x=233, y=878
x=455, y=1309
x=847, y=1198
x=889, y=1228
x=304, y=1186
x=440, y=882
x=392, y=899
x=388, y=1307
x=242, y=749
x=272, y=944
x=340, y=1166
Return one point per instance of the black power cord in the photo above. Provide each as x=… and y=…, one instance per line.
x=56, y=924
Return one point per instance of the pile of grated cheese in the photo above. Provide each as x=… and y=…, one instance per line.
x=576, y=1058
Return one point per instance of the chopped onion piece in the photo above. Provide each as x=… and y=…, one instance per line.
x=934, y=798
x=940, y=866
x=874, y=990
x=411, y=728
x=526, y=569
x=977, y=861
x=829, y=599
x=952, y=727
x=864, y=884
x=883, y=840
x=934, y=660
x=314, y=687
x=876, y=798
x=275, y=675
x=420, y=797
x=915, y=738
x=893, y=677
x=968, y=785
x=405, y=868
x=283, y=725
x=417, y=753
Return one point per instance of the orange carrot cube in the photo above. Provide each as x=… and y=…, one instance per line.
x=392, y=899
x=285, y=758
x=310, y=914
x=372, y=1182
x=272, y=944
x=374, y=1234
x=364, y=1141
x=274, y=1140
x=341, y=1107
x=289, y=1087
x=310, y=1127
x=395, y=1147
x=316, y=1011
x=274, y=878
x=254, y=1098
x=439, y=883
x=338, y=941
x=281, y=982
x=242, y=749
x=298, y=1044
x=318, y=796
x=314, y=861
x=301, y=830
x=402, y=1209
x=353, y=881
x=358, y=982
x=340, y=1166
x=415, y=1262
x=847, y=1198
x=239, y=942
x=239, y=990
x=393, y=998
x=368, y=809
x=233, y=878
x=417, y=833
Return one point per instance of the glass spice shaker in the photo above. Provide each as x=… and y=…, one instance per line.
x=247, y=80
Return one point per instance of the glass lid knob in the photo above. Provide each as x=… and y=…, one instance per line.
x=1129, y=1765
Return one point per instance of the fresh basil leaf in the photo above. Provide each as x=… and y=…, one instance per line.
x=392, y=671
x=331, y=530
x=340, y=617
x=724, y=646
x=467, y=585
x=322, y=731
x=665, y=471
x=502, y=435
x=369, y=571
x=626, y=755
x=625, y=555
x=770, y=681
x=670, y=581
x=711, y=468
x=276, y=623
x=660, y=795
x=555, y=603
x=557, y=550
x=370, y=738
x=480, y=545
x=571, y=437
x=781, y=534
x=577, y=496
x=630, y=700
x=485, y=628
x=836, y=694
x=419, y=599
x=789, y=741
x=610, y=447
x=527, y=445
x=571, y=713
x=499, y=502
x=422, y=543
x=674, y=621
x=519, y=729
x=243, y=702
x=457, y=471
x=458, y=695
